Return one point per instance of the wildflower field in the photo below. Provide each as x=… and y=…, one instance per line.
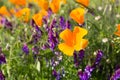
x=59, y=39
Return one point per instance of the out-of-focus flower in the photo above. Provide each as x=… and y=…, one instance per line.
x=44, y=4
x=2, y=21
x=25, y=49
x=2, y=77
x=100, y=8
x=78, y=15
x=104, y=40
x=2, y=57
x=117, y=15
x=38, y=18
x=55, y=5
x=116, y=75
x=84, y=2
x=20, y=2
x=4, y=11
x=118, y=32
x=73, y=40
x=23, y=14
x=97, y=18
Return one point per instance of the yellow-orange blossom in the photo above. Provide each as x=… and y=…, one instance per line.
x=73, y=40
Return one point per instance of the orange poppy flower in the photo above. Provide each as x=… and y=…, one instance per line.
x=73, y=40
x=44, y=4
x=78, y=15
x=55, y=6
x=38, y=17
x=20, y=2
x=23, y=14
x=118, y=32
x=84, y=2
x=4, y=11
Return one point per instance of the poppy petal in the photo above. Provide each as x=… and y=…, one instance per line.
x=78, y=15
x=66, y=35
x=66, y=49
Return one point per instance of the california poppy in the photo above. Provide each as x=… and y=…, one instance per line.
x=118, y=32
x=39, y=16
x=4, y=11
x=24, y=14
x=55, y=5
x=78, y=15
x=20, y=2
x=84, y=2
x=73, y=40
x=44, y=4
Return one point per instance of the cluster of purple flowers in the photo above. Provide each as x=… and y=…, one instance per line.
x=89, y=69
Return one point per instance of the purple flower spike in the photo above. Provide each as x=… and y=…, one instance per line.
x=116, y=75
x=54, y=73
x=98, y=57
x=2, y=77
x=81, y=54
x=52, y=40
x=2, y=58
x=49, y=12
x=88, y=70
x=53, y=24
x=83, y=75
x=25, y=49
x=62, y=22
x=76, y=63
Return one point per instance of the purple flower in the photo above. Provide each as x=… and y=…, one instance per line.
x=86, y=74
x=2, y=57
x=2, y=20
x=8, y=25
x=98, y=57
x=54, y=73
x=2, y=77
x=49, y=12
x=81, y=54
x=62, y=22
x=78, y=57
x=76, y=63
x=83, y=75
x=52, y=24
x=89, y=69
x=52, y=40
x=35, y=50
x=25, y=49
x=116, y=75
